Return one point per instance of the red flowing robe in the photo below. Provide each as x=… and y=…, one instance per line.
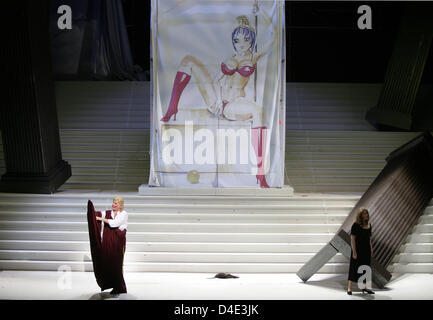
x=108, y=252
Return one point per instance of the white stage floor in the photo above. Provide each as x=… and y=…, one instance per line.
x=37, y=285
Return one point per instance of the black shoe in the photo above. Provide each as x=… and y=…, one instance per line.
x=368, y=291
x=117, y=291
x=349, y=293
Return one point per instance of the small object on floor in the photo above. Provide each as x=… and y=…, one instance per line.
x=368, y=291
x=224, y=275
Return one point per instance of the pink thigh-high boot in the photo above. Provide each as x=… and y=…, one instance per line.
x=180, y=82
x=258, y=136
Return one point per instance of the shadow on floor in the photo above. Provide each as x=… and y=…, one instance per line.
x=397, y=277
x=339, y=283
x=108, y=296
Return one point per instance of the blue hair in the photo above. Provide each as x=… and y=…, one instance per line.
x=245, y=32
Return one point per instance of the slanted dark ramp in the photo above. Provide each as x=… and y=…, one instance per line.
x=396, y=199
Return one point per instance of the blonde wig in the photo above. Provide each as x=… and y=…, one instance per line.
x=120, y=201
x=358, y=218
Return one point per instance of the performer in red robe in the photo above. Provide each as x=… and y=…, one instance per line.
x=108, y=249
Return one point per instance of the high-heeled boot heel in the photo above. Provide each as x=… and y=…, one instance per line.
x=258, y=137
x=179, y=84
x=262, y=180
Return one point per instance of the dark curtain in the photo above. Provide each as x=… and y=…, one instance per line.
x=97, y=47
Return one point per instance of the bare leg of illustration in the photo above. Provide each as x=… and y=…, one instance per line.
x=202, y=78
x=191, y=66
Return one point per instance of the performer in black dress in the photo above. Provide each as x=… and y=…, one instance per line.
x=362, y=249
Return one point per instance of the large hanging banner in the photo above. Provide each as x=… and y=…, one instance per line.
x=218, y=83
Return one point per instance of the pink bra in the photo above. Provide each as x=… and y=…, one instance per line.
x=244, y=71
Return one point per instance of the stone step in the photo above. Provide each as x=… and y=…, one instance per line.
x=172, y=267
x=214, y=228
x=177, y=208
x=411, y=268
x=183, y=237
x=290, y=217
x=167, y=246
x=413, y=257
x=167, y=257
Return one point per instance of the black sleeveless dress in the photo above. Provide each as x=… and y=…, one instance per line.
x=363, y=250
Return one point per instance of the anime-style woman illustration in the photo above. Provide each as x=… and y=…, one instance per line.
x=108, y=249
x=225, y=97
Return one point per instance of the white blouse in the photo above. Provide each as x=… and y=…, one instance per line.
x=120, y=221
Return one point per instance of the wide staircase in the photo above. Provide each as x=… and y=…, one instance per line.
x=328, y=168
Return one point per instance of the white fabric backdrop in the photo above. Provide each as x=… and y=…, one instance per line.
x=208, y=145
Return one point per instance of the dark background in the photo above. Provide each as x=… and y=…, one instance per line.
x=324, y=43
